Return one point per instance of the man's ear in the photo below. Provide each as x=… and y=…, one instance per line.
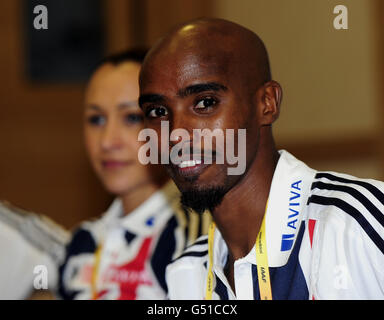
x=270, y=101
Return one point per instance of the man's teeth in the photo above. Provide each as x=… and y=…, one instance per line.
x=189, y=163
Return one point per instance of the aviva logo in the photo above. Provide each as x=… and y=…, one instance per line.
x=294, y=202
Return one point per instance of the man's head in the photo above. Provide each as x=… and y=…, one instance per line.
x=210, y=74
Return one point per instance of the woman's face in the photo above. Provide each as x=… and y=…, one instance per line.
x=112, y=123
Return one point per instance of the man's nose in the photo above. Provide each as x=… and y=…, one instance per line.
x=180, y=129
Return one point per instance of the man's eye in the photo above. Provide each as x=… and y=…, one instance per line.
x=157, y=112
x=96, y=120
x=205, y=103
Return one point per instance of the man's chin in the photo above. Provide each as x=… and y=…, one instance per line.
x=201, y=199
x=196, y=179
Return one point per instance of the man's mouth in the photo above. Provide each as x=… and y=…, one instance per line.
x=190, y=168
x=189, y=163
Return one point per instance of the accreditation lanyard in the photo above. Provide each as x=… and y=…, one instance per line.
x=95, y=272
x=261, y=260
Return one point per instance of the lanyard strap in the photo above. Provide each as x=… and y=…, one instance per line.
x=261, y=260
x=209, y=289
x=262, y=264
x=95, y=272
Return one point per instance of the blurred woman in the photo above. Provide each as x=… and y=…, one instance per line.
x=123, y=254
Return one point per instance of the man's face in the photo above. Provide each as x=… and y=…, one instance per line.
x=199, y=91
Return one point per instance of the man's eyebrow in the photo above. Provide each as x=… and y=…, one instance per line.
x=182, y=93
x=151, y=98
x=201, y=87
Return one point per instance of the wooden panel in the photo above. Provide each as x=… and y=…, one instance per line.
x=117, y=25
x=359, y=154
x=43, y=166
x=335, y=149
x=379, y=23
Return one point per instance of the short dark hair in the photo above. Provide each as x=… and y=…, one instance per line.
x=134, y=54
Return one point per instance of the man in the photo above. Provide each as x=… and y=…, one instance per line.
x=281, y=230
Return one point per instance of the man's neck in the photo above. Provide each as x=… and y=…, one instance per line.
x=240, y=214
